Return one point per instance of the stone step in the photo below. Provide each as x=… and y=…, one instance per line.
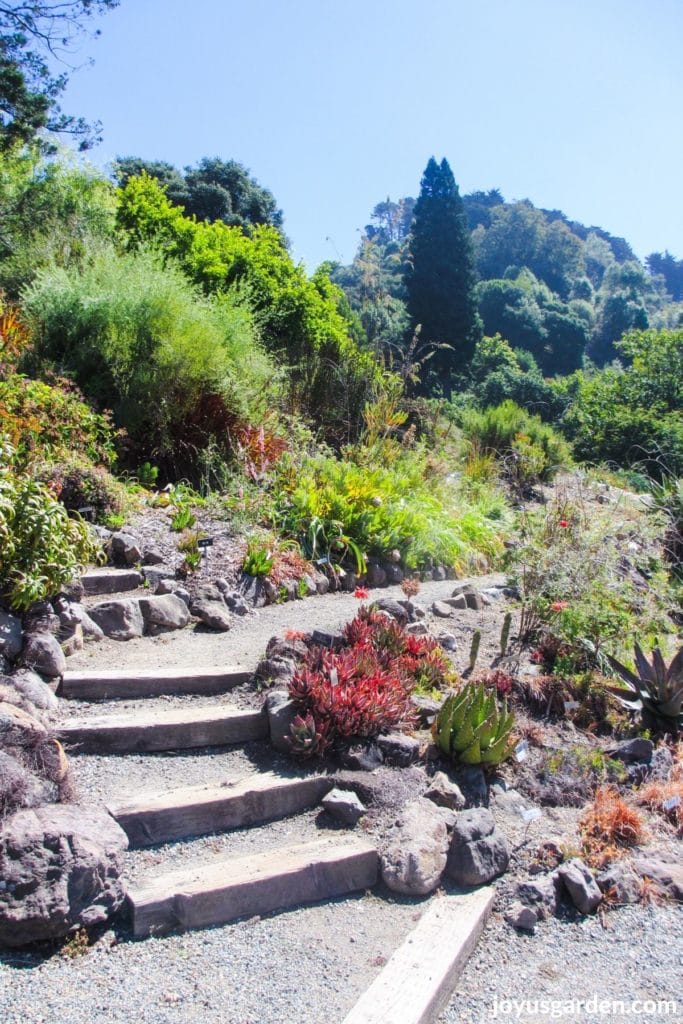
x=223, y=890
x=197, y=810
x=167, y=729
x=418, y=980
x=110, y=581
x=106, y=685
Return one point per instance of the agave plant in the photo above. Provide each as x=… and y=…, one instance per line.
x=472, y=728
x=656, y=691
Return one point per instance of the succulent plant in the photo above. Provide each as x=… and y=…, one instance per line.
x=474, y=648
x=472, y=728
x=505, y=634
x=656, y=691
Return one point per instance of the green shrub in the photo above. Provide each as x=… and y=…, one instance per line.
x=41, y=548
x=51, y=421
x=529, y=449
x=179, y=370
x=330, y=377
x=78, y=484
x=371, y=503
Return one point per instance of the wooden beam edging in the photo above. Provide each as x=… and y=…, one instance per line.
x=418, y=980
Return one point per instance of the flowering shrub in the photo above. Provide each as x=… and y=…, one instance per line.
x=364, y=688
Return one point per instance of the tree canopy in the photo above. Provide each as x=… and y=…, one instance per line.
x=35, y=36
x=213, y=190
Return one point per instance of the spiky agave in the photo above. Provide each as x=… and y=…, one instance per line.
x=654, y=690
x=472, y=728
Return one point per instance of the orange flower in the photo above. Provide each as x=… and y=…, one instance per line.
x=559, y=606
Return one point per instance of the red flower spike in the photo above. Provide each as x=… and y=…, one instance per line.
x=361, y=593
x=564, y=523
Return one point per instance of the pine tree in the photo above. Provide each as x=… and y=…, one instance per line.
x=440, y=279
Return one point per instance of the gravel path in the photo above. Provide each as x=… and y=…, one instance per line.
x=636, y=955
x=244, y=645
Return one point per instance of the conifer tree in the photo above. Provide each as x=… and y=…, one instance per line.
x=440, y=278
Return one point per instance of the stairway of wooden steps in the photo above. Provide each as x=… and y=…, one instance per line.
x=131, y=683
x=152, y=818
x=163, y=729
x=258, y=883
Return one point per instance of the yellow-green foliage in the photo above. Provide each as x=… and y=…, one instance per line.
x=331, y=377
x=50, y=421
x=178, y=368
x=376, y=501
x=529, y=449
x=41, y=548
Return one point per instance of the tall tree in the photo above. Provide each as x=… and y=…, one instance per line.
x=440, y=278
x=35, y=36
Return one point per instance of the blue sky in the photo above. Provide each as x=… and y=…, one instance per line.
x=573, y=104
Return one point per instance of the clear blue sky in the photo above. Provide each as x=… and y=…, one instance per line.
x=335, y=104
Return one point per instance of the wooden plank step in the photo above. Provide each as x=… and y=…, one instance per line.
x=259, y=883
x=167, y=729
x=106, y=685
x=196, y=810
x=110, y=581
x=418, y=980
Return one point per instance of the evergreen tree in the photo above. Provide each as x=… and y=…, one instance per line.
x=440, y=278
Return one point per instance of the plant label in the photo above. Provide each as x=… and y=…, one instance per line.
x=522, y=751
x=530, y=814
x=671, y=804
x=205, y=542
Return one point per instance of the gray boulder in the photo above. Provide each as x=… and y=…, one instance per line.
x=459, y=602
x=19, y=729
x=416, y=629
x=275, y=669
x=445, y=793
x=376, y=576
x=163, y=612
x=398, y=749
x=60, y=867
x=152, y=556
x=621, y=881
x=119, y=620
x=666, y=869
x=442, y=610
x=42, y=653
x=393, y=608
x=212, y=614
x=521, y=917
x=344, y=806
x=362, y=757
x=125, y=549
x=32, y=688
x=541, y=894
x=153, y=574
x=19, y=787
x=415, y=857
x=10, y=635
x=478, y=852
x=72, y=614
x=579, y=882
x=447, y=641
x=281, y=712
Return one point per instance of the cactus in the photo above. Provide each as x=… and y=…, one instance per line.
x=472, y=729
x=654, y=690
x=474, y=649
x=505, y=634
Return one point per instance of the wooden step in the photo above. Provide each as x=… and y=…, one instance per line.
x=167, y=729
x=107, y=685
x=258, y=883
x=418, y=980
x=197, y=810
x=110, y=581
